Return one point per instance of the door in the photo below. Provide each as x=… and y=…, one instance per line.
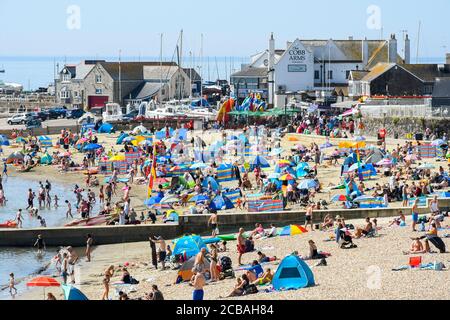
x=97, y=101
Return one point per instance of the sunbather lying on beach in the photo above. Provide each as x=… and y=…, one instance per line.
x=266, y=277
x=398, y=221
x=262, y=258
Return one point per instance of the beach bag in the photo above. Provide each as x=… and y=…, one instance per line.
x=251, y=289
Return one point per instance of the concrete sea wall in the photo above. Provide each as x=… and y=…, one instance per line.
x=228, y=223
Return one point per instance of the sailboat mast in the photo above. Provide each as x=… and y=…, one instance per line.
x=160, y=66
x=180, y=68
x=120, y=77
x=201, y=70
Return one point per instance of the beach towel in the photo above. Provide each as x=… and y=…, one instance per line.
x=265, y=205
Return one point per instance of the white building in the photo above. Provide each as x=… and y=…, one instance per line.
x=315, y=66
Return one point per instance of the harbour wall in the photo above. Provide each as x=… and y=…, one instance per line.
x=228, y=222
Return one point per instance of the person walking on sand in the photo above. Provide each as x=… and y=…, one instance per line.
x=153, y=250
x=89, y=242
x=161, y=251
x=12, y=285
x=65, y=267
x=69, y=210
x=106, y=280
x=415, y=214
x=240, y=245
x=19, y=218
x=213, y=223
x=198, y=281
x=309, y=216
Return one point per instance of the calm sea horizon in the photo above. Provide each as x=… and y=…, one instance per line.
x=38, y=71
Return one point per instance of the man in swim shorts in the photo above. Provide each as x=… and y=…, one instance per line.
x=198, y=282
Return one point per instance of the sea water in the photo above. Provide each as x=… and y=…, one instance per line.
x=24, y=262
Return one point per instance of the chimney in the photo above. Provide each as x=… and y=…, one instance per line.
x=447, y=61
x=271, y=52
x=365, y=52
x=407, y=50
x=392, y=49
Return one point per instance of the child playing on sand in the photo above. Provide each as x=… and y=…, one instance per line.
x=12, y=285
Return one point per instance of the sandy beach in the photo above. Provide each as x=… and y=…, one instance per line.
x=345, y=277
x=350, y=274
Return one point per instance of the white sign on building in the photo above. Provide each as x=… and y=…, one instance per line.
x=295, y=69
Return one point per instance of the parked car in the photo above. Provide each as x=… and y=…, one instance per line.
x=42, y=115
x=56, y=113
x=20, y=118
x=74, y=114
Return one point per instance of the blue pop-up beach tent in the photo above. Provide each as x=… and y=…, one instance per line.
x=188, y=245
x=212, y=181
x=259, y=161
x=121, y=138
x=72, y=293
x=106, y=128
x=221, y=203
x=292, y=273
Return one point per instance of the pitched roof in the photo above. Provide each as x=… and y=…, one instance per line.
x=155, y=72
x=250, y=72
x=442, y=88
x=352, y=49
x=195, y=75
x=130, y=70
x=357, y=75
x=144, y=91
x=83, y=70
x=428, y=72
x=377, y=71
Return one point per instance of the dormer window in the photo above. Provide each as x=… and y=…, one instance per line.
x=65, y=76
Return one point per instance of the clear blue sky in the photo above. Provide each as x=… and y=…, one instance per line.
x=230, y=28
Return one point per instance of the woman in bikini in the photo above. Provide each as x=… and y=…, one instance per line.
x=106, y=280
x=213, y=265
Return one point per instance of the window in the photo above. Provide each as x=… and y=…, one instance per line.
x=75, y=94
x=316, y=74
x=64, y=94
x=98, y=78
x=65, y=77
x=98, y=91
x=330, y=74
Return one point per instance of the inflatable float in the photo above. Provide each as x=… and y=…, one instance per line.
x=8, y=224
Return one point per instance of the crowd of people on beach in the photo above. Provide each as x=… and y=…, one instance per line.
x=408, y=180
